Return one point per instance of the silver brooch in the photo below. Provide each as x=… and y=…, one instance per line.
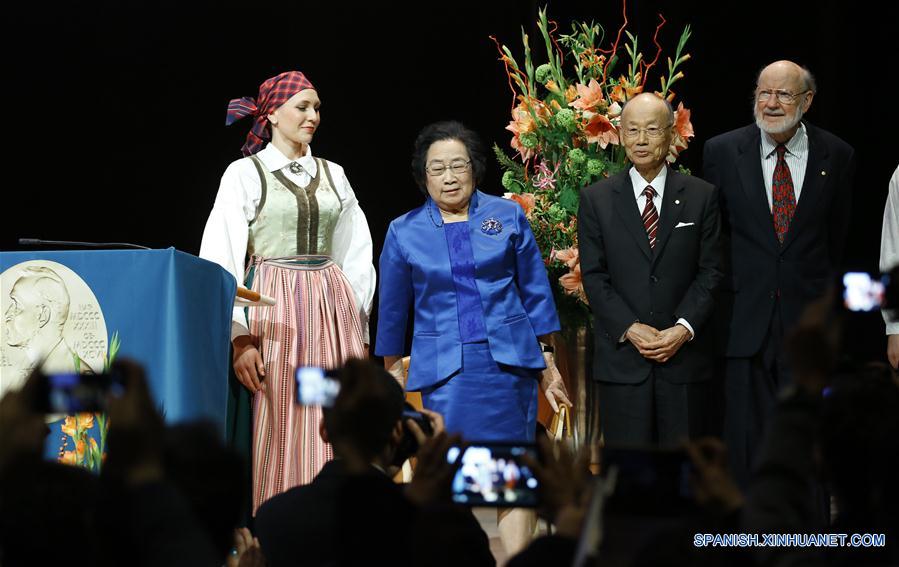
x=491, y=226
x=295, y=168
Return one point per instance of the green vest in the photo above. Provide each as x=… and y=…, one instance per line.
x=290, y=220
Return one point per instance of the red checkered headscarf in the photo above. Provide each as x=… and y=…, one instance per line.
x=272, y=93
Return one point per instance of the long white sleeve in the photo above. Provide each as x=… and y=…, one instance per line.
x=225, y=236
x=352, y=248
x=889, y=240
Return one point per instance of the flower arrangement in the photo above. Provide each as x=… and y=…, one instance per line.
x=565, y=135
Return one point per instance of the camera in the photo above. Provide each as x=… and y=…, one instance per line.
x=409, y=444
x=72, y=393
x=316, y=387
x=493, y=474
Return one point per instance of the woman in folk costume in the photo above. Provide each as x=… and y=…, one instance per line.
x=289, y=225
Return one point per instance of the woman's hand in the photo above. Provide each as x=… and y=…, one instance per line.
x=248, y=364
x=552, y=385
x=393, y=363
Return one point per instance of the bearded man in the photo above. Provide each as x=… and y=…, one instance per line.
x=785, y=191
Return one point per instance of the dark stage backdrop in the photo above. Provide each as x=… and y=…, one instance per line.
x=115, y=111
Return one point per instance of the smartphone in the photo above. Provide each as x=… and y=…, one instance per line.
x=649, y=481
x=493, y=474
x=864, y=292
x=71, y=393
x=315, y=387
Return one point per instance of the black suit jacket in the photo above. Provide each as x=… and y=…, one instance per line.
x=313, y=524
x=758, y=269
x=626, y=281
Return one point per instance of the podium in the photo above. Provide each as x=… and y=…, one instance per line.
x=165, y=309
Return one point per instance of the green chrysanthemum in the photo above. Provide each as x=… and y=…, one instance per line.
x=508, y=180
x=566, y=119
x=529, y=140
x=543, y=73
x=577, y=156
x=595, y=167
x=557, y=214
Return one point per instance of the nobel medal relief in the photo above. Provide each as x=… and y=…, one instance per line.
x=51, y=315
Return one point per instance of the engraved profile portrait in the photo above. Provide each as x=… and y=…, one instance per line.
x=47, y=322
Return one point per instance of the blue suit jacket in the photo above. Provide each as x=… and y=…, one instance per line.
x=511, y=278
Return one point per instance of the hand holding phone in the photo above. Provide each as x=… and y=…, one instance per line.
x=71, y=393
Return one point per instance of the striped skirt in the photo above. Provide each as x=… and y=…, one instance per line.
x=314, y=323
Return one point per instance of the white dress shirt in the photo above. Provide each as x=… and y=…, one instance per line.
x=225, y=237
x=658, y=183
x=796, y=157
x=889, y=240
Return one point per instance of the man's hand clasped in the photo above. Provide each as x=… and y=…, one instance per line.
x=656, y=345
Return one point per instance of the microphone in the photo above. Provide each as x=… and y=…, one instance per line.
x=39, y=242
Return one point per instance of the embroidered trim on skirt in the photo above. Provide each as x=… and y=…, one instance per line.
x=314, y=323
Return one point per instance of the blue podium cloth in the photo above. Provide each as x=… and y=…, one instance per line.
x=172, y=312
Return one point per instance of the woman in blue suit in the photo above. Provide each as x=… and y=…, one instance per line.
x=468, y=264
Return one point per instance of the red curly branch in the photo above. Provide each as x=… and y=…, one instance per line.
x=617, y=40
x=551, y=31
x=655, y=41
x=503, y=58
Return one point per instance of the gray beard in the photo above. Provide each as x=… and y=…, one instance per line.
x=784, y=126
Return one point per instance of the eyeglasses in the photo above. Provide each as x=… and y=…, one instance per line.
x=783, y=97
x=458, y=167
x=651, y=132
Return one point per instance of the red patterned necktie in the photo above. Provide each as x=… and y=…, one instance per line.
x=650, y=216
x=783, y=200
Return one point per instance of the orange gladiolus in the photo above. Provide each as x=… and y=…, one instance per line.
x=624, y=91
x=80, y=422
x=522, y=123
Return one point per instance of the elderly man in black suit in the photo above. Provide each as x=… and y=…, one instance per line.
x=785, y=190
x=649, y=254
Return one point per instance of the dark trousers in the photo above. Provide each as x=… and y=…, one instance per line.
x=751, y=386
x=654, y=412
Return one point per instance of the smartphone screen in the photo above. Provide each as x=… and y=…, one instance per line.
x=864, y=292
x=493, y=474
x=315, y=388
x=72, y=393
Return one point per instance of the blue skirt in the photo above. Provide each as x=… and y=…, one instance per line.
x=486, y=401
